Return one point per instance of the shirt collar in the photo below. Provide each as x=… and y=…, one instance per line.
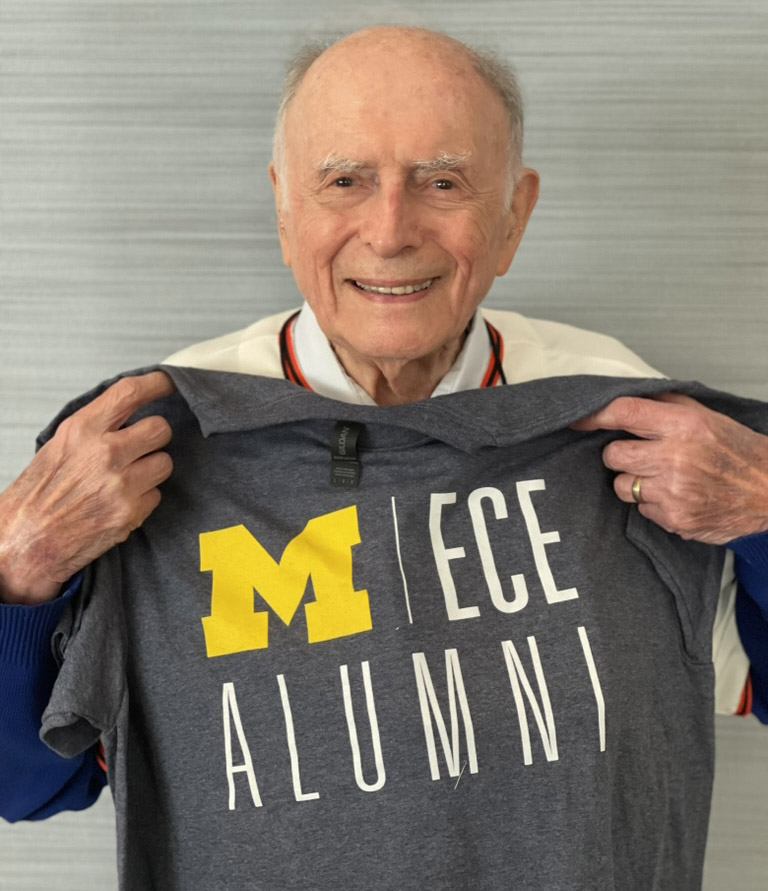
x=326, y=376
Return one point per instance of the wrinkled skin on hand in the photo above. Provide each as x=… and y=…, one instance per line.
x=85, y=490
x=704, y=475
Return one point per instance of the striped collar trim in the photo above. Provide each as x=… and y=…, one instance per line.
x=309, y=361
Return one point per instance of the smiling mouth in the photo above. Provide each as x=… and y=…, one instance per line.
x=396, y=291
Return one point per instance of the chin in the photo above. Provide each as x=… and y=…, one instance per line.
x=389, y=346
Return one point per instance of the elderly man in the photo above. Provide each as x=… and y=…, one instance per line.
x=401, y=195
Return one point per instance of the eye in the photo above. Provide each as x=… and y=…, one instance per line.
x=443, y=184
x=343, y=182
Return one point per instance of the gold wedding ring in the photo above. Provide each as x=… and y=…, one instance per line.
x=636, y=493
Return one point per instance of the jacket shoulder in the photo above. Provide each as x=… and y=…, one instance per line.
x=251, y=350
x=536, y=348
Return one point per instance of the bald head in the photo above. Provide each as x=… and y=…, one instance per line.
x=426, y=54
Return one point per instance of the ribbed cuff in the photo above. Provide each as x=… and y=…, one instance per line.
x=25, y=631
x=752, y=549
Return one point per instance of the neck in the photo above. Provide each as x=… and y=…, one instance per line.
x=398, y=381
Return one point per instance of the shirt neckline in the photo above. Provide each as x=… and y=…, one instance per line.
x=309, y=360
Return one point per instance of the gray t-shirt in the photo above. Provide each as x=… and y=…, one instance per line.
x=416, y=647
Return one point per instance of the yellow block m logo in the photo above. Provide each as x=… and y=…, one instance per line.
x=240, y=565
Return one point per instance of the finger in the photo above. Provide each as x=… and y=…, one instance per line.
x=679, y=399
x=148, y=473
x=623, y=483
x=655, y=514
x=148, y=502
x=648, y=418
x=145, y=436
x=635, y=456
x=118, y=403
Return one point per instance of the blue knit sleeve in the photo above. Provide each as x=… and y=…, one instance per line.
x=34, y=781
x=752, y=613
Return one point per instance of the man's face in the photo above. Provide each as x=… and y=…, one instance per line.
x=393, y=206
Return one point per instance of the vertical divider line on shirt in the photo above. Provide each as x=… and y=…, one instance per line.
x=400, y=561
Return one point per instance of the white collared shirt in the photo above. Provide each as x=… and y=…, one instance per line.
x=325, y=374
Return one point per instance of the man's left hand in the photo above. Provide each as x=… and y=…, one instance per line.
x=695, y=472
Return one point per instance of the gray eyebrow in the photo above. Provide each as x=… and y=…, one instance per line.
x=333, y=163
x=443, y=161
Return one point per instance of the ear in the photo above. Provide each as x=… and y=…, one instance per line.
x=523, y=201
x=280, y=221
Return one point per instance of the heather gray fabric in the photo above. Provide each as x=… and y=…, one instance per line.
x=498, y=676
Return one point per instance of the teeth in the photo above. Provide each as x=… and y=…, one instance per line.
x=406, y=289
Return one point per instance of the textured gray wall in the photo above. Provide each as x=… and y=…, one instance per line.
x=136, y=217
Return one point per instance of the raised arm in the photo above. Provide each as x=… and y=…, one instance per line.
x=703, y=476
x=86, y=490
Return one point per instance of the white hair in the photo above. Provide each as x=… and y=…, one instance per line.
x=498, y=74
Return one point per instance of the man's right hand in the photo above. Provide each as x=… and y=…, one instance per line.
x=86, y=490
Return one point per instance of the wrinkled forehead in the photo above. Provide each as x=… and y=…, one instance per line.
x=420, y=95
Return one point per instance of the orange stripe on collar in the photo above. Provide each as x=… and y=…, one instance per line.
x=288, y=358
x=494, y=373
x=292, y=369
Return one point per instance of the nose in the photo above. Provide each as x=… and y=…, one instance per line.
x=391, y=222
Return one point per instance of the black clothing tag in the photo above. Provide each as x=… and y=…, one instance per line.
x=345, y=463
